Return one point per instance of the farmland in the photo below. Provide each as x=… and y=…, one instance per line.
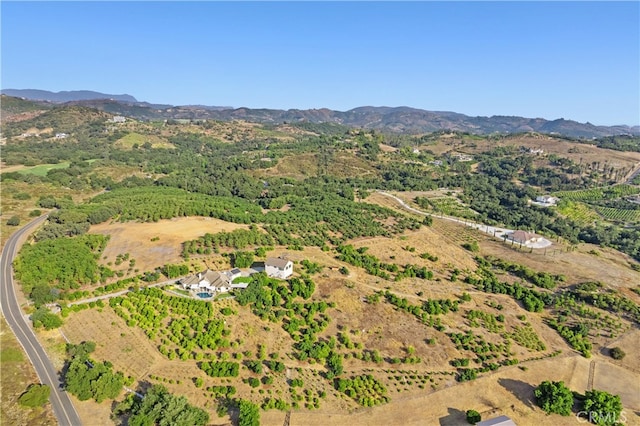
x=387, y=312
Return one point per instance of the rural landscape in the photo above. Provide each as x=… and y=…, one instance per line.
x=202, y=266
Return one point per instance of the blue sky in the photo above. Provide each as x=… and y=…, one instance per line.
x=572, y=60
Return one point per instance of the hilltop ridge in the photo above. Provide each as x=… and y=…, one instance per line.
x=402, y=119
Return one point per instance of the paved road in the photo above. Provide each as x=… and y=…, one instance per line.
x=633, y=174
x=62, y=406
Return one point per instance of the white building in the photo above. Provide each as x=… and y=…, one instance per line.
x=547, y=200
x=276, y=267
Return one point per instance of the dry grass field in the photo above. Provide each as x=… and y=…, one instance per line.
x=16, y=373
x=579, y=153
x=135, y=238
x=305, y=165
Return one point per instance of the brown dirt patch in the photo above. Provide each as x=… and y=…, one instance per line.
x=135, y=238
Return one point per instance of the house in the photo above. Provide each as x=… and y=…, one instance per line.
x=61, y=135
x=536, y=151
x=523, y=237
x=277, y=267
x=207, y=280
x=462, y=157
x=547, y=200
x=497, y=421
x=118, y=119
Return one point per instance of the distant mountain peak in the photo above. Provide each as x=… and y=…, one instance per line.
x=65, y=96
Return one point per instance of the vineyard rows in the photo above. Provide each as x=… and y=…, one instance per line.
x=595, y=194
x=619, y=215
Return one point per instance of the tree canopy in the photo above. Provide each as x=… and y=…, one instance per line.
x=554, y=397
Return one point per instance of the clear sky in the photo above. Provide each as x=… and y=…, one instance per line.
x=572, y=60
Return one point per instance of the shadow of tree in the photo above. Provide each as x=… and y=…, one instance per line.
x=454, y=418
x=521, y=390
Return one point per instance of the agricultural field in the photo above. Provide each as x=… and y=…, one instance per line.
x=597, y=194
x=578, y=212
x=619, y=215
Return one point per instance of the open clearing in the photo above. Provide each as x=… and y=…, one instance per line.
x=135, y=238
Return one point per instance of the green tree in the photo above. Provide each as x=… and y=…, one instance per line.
x=159, y=407
x=35, y=396
x=242, y=259
x=602, y=407
x=249, y=414
x=473, y=417
x=42, y=317
x=554, y=397
x=13, y=221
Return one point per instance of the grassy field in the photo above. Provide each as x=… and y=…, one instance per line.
x=39, y=170
x=132, y=139
x=17, y=374
x=154, y=244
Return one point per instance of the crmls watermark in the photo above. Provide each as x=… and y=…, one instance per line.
x=595, y=416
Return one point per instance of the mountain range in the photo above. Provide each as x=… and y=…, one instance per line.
x=387, y=119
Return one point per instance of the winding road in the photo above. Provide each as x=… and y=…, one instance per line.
x=62, y=406
x=487, y=229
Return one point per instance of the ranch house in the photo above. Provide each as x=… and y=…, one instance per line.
x=523, y=237
x=208, y=280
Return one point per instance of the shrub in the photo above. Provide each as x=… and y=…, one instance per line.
x=473, y=417
x=13, y=221
x=35, y=396
x=472, y=246
x=617, y=353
